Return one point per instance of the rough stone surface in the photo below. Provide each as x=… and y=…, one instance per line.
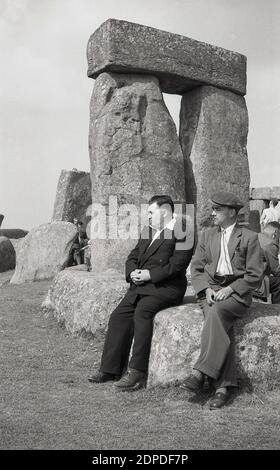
x=213, y=135
x=13, y=233
x=180, y=63
x=43, y=252
x=83, y=301
x=256, y=208
x=73, y=196
x=7, y=255
x=134, y=153
x=176, y=341
x=266, y=193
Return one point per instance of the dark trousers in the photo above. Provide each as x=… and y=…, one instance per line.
x=274, y=284
x=132, y=319
x=217, y=354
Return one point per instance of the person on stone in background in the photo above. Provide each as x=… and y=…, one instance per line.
x=80, y=241
x=156, y=271
x=271, y=214
x=269, y=241
x=225, y=270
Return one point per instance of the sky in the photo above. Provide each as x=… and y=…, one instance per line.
x=45, y=91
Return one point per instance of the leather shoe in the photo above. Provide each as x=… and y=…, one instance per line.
x=218, y=400
x=193, y=383
x=101, y=377
x=132, y=380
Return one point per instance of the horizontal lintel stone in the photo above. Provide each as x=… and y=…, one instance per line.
x=180, y=63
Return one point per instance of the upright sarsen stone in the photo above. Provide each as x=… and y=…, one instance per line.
x=73, y=196
x=213, y=136
x=134, y=152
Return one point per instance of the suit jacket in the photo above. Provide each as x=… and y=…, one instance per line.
x=269, y=250
x=245, y=255
x=165, y=261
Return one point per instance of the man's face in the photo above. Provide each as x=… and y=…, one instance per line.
x=222, y=215
x=156, y=215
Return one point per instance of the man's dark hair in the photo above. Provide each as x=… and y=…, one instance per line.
x=274, y=202
x=161, y=200
x=273, y=224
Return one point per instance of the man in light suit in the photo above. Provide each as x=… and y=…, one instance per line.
x=156, y=271
x=226, y=268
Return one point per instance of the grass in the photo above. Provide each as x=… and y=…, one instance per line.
x=47, y=402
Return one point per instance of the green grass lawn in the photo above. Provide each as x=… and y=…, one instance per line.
x=47, y=402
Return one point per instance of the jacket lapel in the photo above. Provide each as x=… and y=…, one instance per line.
x=234, y=240
x=216, y=246
x=154, y=246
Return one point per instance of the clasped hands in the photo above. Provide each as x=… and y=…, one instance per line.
x=214, y=296
x=139, y=276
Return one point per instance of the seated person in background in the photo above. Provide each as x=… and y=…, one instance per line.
x=269, y=241
x=79, y=243
x=271, y=214
x=156, y=271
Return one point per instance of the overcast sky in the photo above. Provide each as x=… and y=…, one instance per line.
x=45, y=92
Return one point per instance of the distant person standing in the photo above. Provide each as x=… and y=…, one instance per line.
x=271, y=214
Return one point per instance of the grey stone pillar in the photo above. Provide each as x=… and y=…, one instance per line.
x=134, y=152
x=213, y=136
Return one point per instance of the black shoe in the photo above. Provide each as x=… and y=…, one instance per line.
x=193, y=383
x=132, y=380
x=101, y=377
x=218, y=400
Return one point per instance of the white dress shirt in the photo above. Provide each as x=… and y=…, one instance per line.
x=169, y=225
x=224, y=265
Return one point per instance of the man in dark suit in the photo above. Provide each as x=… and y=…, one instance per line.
x=226, y=268
x=156, y=271
x=269, y=241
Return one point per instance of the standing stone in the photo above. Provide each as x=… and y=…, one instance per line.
x=43, y=252
x=134, y=152
x=73, y=196
x=1, y=219
x=180, y=63
x=213, y=136
x=7, y=255
x=256, y=209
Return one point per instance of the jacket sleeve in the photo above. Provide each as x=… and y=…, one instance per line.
x=254, y=269
x=131, y=262
x=178, y=262
x=271, y=256
x=199, y=280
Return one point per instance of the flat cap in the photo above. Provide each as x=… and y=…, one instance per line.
x=223, y=198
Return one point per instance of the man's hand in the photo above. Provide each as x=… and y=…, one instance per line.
x=223, y=293
x=139, y=276
x=210, y=296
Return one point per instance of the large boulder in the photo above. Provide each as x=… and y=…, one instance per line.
x=179, y=62
x=7, y=255
x=213, y=135
x=176, y=344
x=134, y=153
x=73, y=196
x=83, y=301
x=44, y=252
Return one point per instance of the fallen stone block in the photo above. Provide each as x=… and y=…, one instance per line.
x=7, y=255
x=267, y=193
x=180, y=63
x=83, y=301
x=44, y=252
x=73, y=196
x=176, y=342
